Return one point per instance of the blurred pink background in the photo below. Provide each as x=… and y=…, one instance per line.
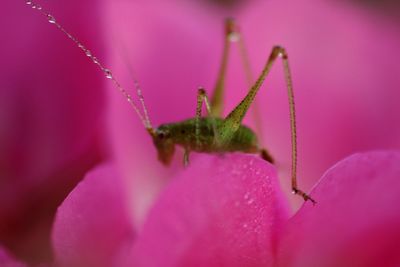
x=59, y=116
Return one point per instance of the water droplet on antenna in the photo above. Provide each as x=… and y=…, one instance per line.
x=88, y=53
x=51, y=19
x=108, y=73
x=29, y=2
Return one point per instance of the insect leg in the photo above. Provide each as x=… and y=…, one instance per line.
x=233, y=121
x=202, y=96
x=233, y=34
x=217, y=99
x=186, y=157
x=250, y=80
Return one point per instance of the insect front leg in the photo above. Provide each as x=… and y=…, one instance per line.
x=186, y=157
x=201, y=97
x=233, y=121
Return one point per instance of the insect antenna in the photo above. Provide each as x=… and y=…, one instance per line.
x=107, y=72
x=147, y=122
x=125, y=57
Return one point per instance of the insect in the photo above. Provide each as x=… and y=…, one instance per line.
x=213, y=133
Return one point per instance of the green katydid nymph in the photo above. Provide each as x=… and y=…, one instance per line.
x=213, y=133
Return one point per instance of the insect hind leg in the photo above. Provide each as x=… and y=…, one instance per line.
x=233, y=121
x=304, y=195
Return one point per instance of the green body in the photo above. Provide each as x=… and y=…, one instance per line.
x=207, y=139
x=184, y=134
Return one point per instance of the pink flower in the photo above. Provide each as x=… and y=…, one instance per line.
x=233, y=212
x=219, y=214
x=241, y=220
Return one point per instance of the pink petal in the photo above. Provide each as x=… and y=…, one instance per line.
x=92, y=224
x=357, y=217
x=6, y=260
x=50, y=109
x=221, y=211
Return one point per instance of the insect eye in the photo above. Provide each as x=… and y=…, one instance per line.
x=161, y=135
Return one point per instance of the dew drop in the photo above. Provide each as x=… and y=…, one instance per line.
x=108, y=73
x=129, y=98
x=88, y=53
x=95, y=60
x=250, y=201
x=51, y=19
x=246, y=196
x=29, y=2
